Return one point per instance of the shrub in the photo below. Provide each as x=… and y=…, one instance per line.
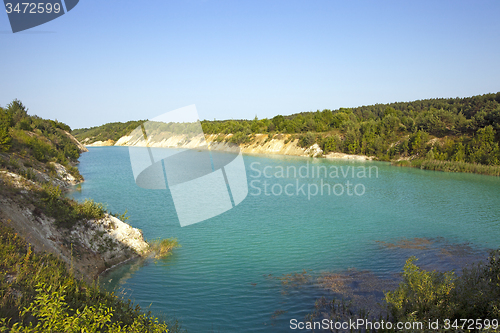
x=74, y=172
x=307, y=140
x=425, y=295
x=52, y=169
x=5, y=139
x=89, y=209
x=41, y=150
x=54, y=301
x=331, y=143
x=239, y=138
x=163, y=248
x=122, y=217
x=65, y=211
x=422, y=292
x=13, y=163
x=28, y=173
x=51, y=193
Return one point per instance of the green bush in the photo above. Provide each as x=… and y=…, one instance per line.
x=307, y=140
x=421, y=293
x=50, y=299
x=424, y=295
x=5, y=139
x=51, y=168
x=65, y=211
x=331, y=144
x=50, y=193
x=239, y=138
x=28, y=173
x=41, y=150
x=89, y=209
x=51, y=313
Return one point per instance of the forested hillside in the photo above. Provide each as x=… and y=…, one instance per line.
x=31, y=136
x=110, y=131
x=450, y=134
x=455, y=129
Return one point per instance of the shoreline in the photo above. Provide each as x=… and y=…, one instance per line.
x=262, y=146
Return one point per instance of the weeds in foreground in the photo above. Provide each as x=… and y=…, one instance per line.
x=39, y=294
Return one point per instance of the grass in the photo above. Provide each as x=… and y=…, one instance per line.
x=39, y=294
x=161, y=248
x=450, y=166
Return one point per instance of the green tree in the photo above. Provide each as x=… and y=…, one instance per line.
x=331, y=143
x=338, y=119
x=418, y=142
x=5, y=137
x=458, y=152
x=483, y=148
x=307, y=140
x=279, y=123
x=17, y=110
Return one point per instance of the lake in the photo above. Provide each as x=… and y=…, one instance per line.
x=258, y=265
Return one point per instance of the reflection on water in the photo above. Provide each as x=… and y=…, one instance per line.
x=116, y=277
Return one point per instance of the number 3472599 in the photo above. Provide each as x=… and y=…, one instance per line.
x=33, y=8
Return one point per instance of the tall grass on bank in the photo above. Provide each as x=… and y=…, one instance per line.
x=39, y=294
x=450, y=166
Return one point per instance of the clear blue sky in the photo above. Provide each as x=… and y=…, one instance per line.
x=124, y=60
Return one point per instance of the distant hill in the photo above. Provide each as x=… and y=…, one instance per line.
x=461, y=130
x=450, y=134
x=106, y=132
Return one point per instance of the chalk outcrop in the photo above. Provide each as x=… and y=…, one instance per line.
x=101, y=143
x=280, y=144
x=89, y=247
x=64, y=177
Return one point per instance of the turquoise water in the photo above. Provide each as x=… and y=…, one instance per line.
x=219, y=279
